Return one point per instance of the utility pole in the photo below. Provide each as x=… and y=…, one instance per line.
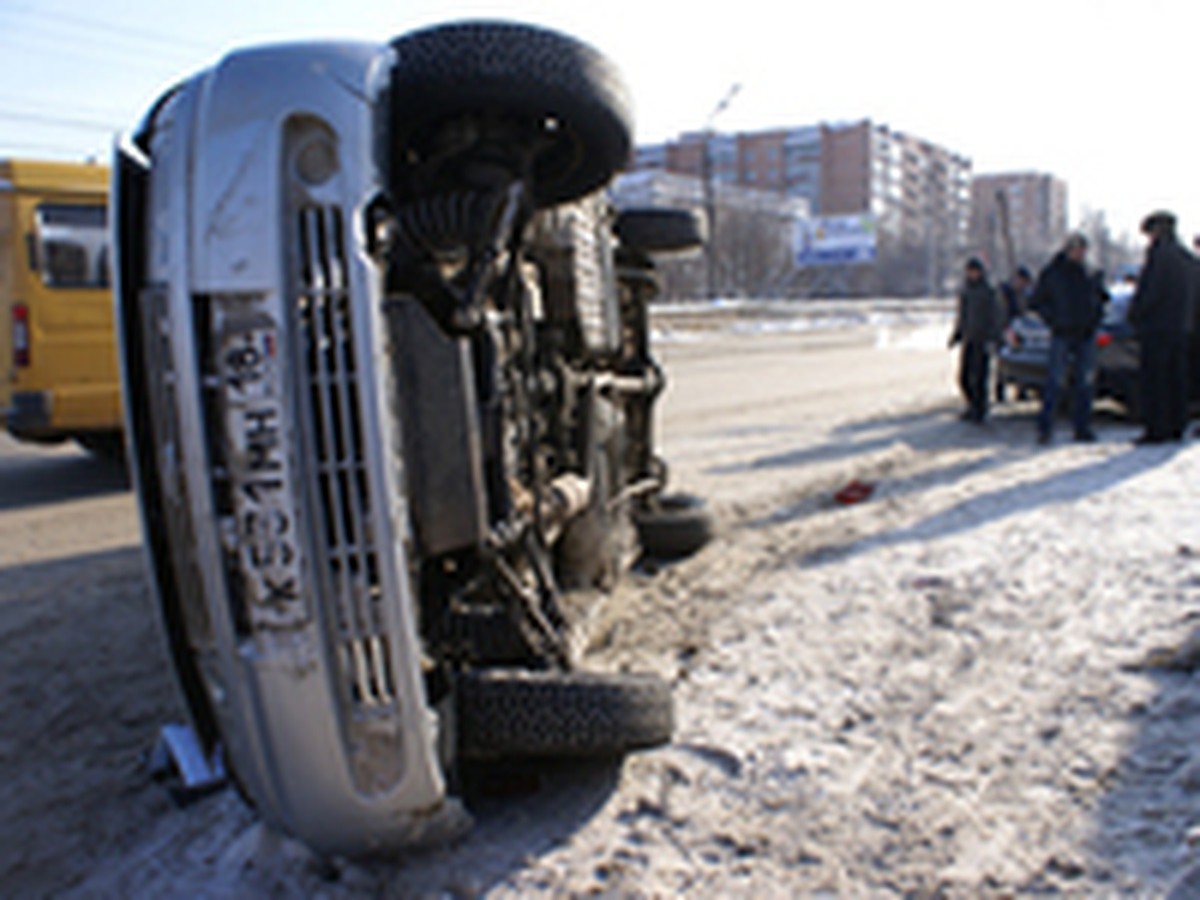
x=710, y=200
x=1010, y=254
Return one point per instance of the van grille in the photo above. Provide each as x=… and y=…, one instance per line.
x=346, y=551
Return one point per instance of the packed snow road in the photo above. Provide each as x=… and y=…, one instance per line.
x=977, y=682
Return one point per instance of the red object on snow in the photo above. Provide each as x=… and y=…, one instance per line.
x=854, y=492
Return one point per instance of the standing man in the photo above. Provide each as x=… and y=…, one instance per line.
x=1070, y=301
x=1015, y=294
x=1017, y=291
x=977, y=328
x=1161, y=314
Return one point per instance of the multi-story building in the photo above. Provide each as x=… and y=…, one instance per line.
x=802, y=161
x=919, y=192
x=781, y=160
x=1037, y=217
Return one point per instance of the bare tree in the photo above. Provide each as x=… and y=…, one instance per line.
x=683, y=276
x=1108, y=251
x=754, y=252
x=753, y=256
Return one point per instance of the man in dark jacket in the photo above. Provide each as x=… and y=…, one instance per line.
x=1015, y=294
x=977, y=328
x=1161, y=314
x=1070, y=301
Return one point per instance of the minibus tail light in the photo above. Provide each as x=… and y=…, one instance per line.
x=20, y=335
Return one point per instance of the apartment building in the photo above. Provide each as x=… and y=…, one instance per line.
x=1037, y=216
x=781, y=160
x=918, y=191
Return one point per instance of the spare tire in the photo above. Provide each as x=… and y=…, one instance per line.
x=521, y=713
x=569, y=90
x=658, y=230
x=673, y=526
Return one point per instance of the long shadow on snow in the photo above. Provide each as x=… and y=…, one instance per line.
x=1008, y=434
x=981, y=509
x=896, y=422
x=819, y=501
x=936, y=427
x=1143, y=822
x=521, y=811
x=1008, y=437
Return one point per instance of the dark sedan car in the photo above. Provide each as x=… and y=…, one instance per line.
x=1026, y=355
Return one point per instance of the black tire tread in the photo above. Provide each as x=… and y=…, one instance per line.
x=675, y=526
x=658, y=230
x=521, y=713
x=105, y=445
x=471, y=66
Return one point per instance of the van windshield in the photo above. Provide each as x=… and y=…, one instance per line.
x=71, y=245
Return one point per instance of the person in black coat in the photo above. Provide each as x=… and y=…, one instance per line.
x=1070, y=300
x=978, y=328
x=1161, y=313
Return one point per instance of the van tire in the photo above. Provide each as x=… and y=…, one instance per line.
x=529, y=72
x=674, y=526
x=575, y=715
x=106, y=445
x=658, y=230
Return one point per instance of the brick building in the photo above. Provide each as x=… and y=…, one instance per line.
x=1037, y=211
x=918, y=191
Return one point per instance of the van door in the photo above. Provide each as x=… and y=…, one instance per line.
x=72, y=348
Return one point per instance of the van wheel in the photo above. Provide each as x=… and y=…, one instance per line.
x=1133, y=406
x=580, y=715
x=673, y=526
x=658, y=230
x=572, y=97
x=107, y=445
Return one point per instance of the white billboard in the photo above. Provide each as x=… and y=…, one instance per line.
x=835, y=240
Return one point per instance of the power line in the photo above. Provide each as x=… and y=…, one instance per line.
x=47, y=50
x=39, y=102
x=51, y=46
x=58, y=121
x=68, y=38
x=126, y=32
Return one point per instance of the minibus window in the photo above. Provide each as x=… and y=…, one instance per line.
x=72, y=245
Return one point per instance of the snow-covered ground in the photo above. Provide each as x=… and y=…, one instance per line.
x=978, y=682
x=696, y=320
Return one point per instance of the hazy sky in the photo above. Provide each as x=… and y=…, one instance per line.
x=1100, y=92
